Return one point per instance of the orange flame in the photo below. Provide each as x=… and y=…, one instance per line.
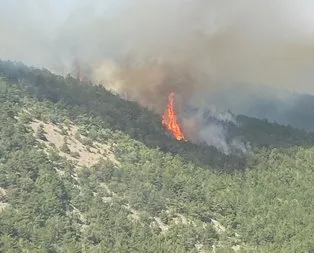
x=169, y=119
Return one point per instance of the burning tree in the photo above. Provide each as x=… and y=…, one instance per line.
x=169, y=119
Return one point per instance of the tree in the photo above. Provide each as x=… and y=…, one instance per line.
x=40, y=133
x=64, y=148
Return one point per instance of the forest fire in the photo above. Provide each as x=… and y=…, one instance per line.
x=169, y=119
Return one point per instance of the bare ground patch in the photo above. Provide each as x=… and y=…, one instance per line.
x=3, y=199
x=82, y=154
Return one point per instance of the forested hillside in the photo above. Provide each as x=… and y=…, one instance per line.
x=82, y=170
x=271, y=103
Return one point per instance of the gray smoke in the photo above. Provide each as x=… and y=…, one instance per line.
x=196, y=44
x=209, y=125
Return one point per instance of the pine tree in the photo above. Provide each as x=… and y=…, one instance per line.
x=64, y=148
x=40, y=133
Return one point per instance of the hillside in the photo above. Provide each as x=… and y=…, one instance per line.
x=275, y=105
x=82, y=170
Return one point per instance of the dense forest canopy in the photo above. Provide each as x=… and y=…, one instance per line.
x=82, y=170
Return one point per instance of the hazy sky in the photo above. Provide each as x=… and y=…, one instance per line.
x=57, y=10
x=254, y=41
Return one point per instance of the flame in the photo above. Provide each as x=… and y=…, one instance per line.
x=169, y=119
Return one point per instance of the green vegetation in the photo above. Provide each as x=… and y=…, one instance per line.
x=155, y=194
x=40, y=133
x=64, y=148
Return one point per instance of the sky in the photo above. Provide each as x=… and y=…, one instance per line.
x=31, y=30
x=55, y=10
x=269, y=41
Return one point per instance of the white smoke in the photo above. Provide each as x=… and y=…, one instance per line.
x=210, y=126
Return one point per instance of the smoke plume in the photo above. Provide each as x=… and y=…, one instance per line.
x=144, y=49
x=211, y=126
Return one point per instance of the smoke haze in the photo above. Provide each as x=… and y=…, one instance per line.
x=212, y=41
x=143, y=49
x=210, y=126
